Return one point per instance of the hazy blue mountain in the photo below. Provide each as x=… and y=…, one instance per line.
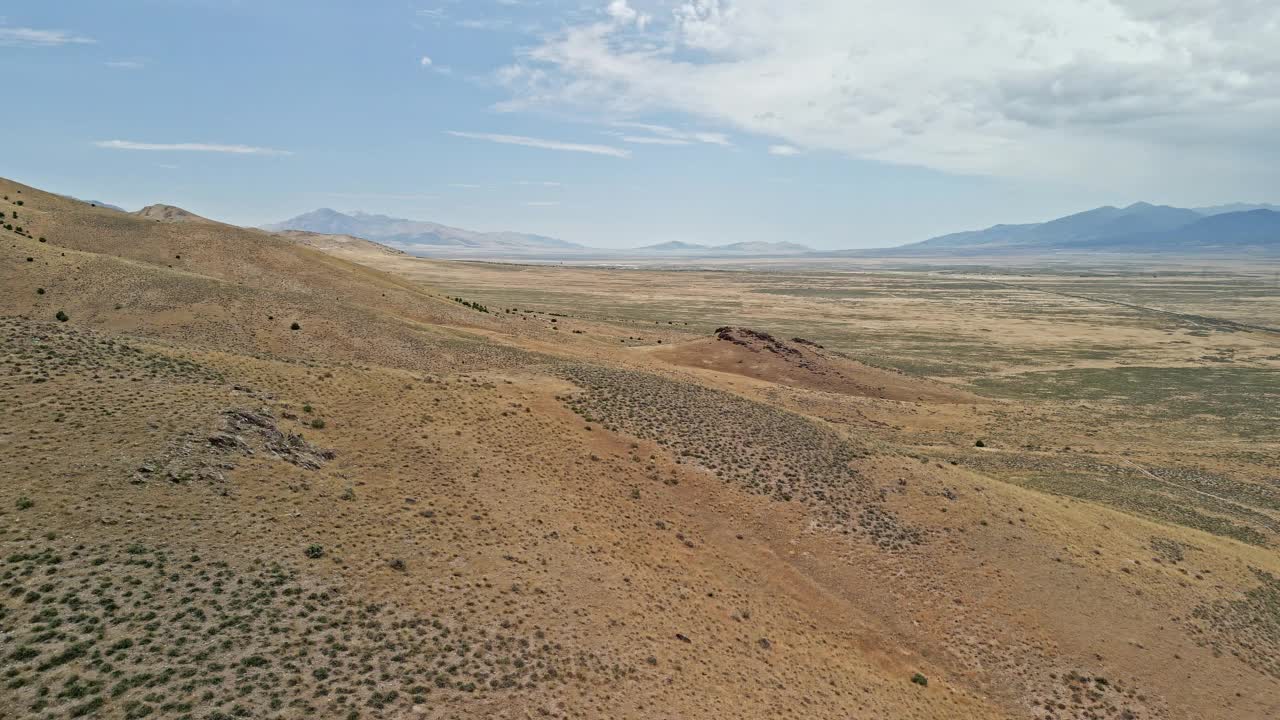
x=419, y=235
x=765, y=248
x=98, y=203
x=1089, y=225
x=1236, y=207
x=1139, y=228
x=1253, y=231
x=739, y=248
x=674, y=246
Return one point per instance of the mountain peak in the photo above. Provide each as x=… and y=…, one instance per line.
x=1140, y=227
x=169, y=213
x=418, y=236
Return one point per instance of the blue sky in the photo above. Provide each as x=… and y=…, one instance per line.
x=612, y=123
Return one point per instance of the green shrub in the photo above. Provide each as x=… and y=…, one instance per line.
x=25, y=503
x=314, y=551
x=62, y=316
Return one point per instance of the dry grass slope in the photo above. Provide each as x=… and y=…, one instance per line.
x=248, y=478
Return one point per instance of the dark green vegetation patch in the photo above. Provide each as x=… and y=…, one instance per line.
x=136, y=631
x=1248, y=627
x=1245, y=400
x=767, y=450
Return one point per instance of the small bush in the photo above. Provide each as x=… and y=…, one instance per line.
x=920, y=680
x=314, y=551
x=25, y=503
x=980, y=443
x=295, y=326
x=318, y=424
x=62, y=316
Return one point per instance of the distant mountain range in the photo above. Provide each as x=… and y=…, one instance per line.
x=1139, y=228
x=739, y=248
x=417, y=236
x=428, y=238
x=1142, y=228
x=1236, y=207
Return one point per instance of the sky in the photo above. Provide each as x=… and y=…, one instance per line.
x=619, y=123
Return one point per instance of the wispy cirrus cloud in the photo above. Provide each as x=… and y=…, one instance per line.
x=662, y=132
x=189, y=147
x=543, y=143
x=31, y=37
x=646, y=140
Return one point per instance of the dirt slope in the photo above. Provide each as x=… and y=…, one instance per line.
x=342, y=245
x=169, y=213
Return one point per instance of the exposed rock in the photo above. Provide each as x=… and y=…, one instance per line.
x=207, y=458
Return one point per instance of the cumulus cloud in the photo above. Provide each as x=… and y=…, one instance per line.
x=623, y=14
x=1002, y=87
x=189, y=147
x=544, y=144
x=31, y=37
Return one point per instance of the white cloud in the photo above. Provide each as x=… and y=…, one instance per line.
x=427, y=63
x=669, y=133
x=644, y=140
x=542, y=203
x=784, y=150
x=1103, y=91
x=30, y=37
x=544, y=144
x=189, y=147
x=485, y=23
x=465, y=186
x=623, y=14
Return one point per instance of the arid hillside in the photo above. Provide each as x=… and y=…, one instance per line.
x=248, y=475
